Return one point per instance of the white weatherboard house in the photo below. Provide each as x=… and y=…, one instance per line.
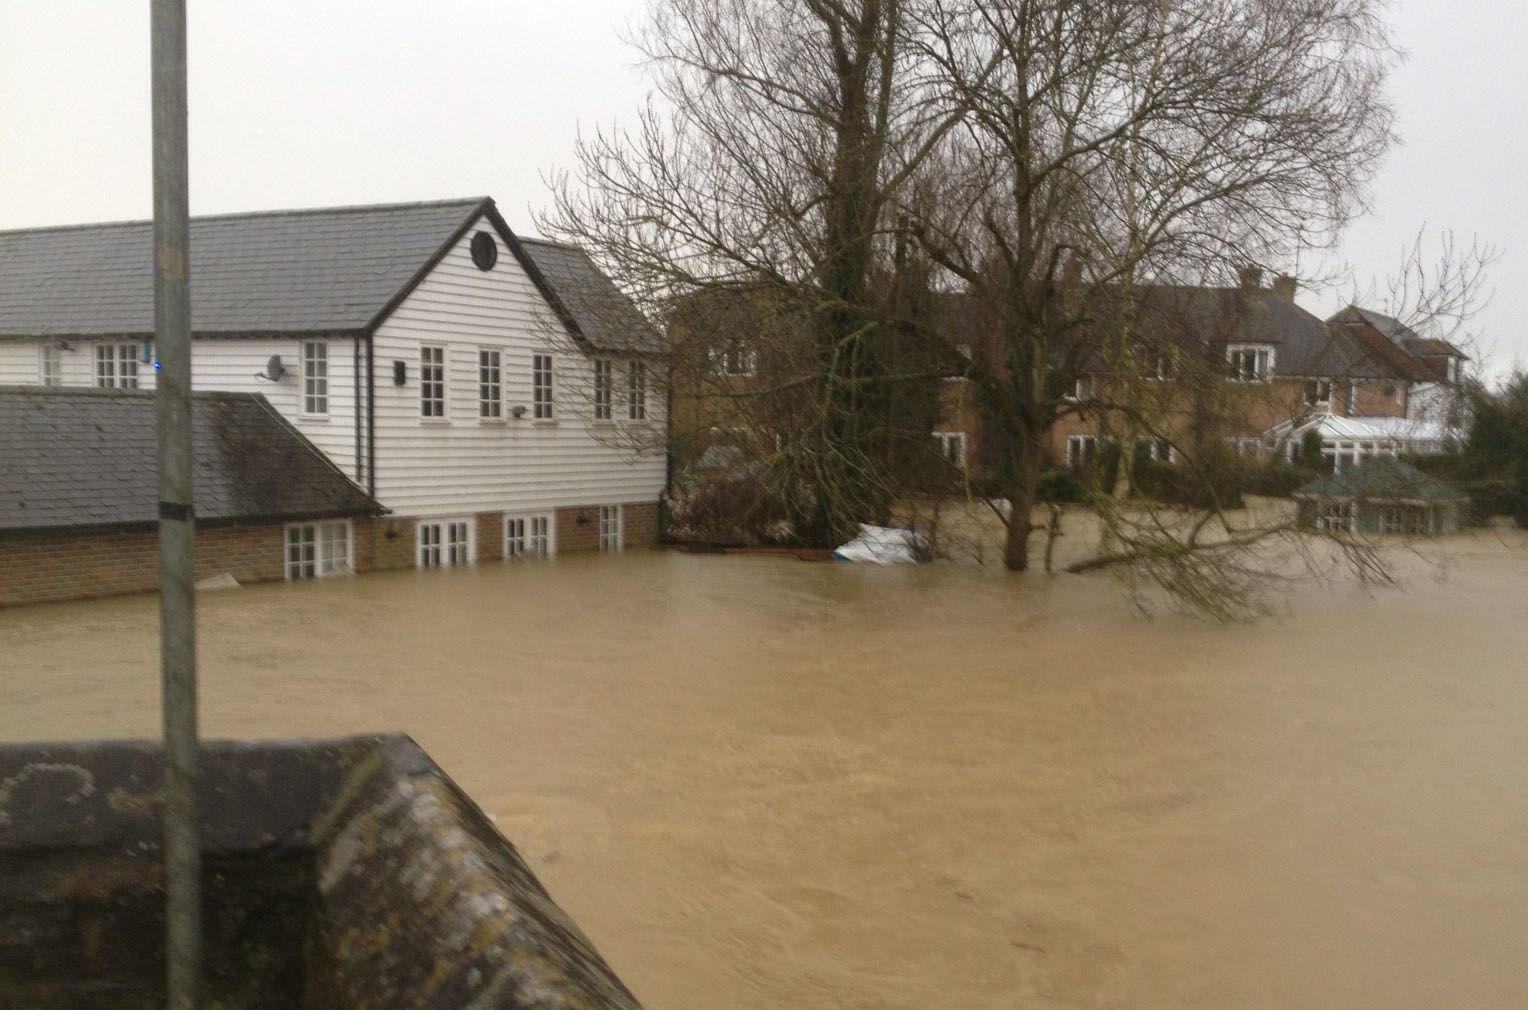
x=494, y=393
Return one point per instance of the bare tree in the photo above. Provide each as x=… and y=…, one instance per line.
x=1143, y=143
x=765, y=174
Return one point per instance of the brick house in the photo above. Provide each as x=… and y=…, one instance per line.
x=492, y=392
x=78, y=507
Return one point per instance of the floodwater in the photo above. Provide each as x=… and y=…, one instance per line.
x=762, y=783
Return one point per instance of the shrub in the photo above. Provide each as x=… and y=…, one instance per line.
x=1059, y=486
x=1219, y=479
x=1277, y=479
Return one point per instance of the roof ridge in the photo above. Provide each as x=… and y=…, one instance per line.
x=280, y=212
x=116, y=391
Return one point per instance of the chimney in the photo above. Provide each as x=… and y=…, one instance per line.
x=1251, y=277
x=1285, y=286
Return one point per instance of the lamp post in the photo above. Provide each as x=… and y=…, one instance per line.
x=177, y=600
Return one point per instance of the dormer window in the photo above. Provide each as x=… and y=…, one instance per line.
x=1453, y=369
x=1082, y=389
x=1318, y=392
x=1249, y=362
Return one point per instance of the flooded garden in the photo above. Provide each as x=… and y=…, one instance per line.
x=757, y=782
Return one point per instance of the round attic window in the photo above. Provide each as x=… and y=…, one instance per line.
x=485, y=251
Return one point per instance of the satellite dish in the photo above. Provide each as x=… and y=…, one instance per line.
x=274, y=369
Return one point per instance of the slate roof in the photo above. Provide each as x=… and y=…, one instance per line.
x=599, y=313
x=336, y=271
x=1380, y=479
x=1397, y=332
x=80, y=457
x=1192, y=315
x=303, y=271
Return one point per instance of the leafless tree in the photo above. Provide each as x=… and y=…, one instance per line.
x=1141, y=143
x=764, y=174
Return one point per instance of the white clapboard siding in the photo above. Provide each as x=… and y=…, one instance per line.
x=462, y=464
x=229, y=365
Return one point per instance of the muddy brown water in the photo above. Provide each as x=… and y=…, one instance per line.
x=762, y=783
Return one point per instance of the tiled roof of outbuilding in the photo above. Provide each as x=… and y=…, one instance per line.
x=79, y=457
x=1380, y=479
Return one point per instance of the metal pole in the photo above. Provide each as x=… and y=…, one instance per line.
x=177, y=601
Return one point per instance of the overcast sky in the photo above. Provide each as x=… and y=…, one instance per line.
x=323, y=103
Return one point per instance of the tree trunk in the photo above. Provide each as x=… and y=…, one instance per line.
x=1021, y=502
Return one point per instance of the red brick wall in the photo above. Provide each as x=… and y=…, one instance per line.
x=39, y=567
x=640, y=529
x=490, y=536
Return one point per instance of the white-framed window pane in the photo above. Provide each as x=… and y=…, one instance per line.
x=432, y=381
x=457, y=544
x=315, y=377
x=50, y=365
x=610, y=528
x=528, y=536
x=636, y=392
x=301, y=540
x=334, y=555
x=116, y=366
x=602, y=389
x=540, y=542
x=541, y=386
x=490, y=385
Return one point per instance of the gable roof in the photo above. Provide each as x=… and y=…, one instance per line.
x=335, y=271
x=1193, y=317
x=1398, y=333
x=80, y=457
x=1380, y=478
x=282, y=272
x=595, y=309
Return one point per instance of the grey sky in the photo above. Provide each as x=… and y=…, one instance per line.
x=324, y=103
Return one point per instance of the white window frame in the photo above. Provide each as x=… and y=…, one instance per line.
x=1263, y=359
x=490, y=365
x=329, y=546
x=1159, y=449
x=530, y=535
x=735, y=359
x=121, y=361
x=438, y=384
x=952, y=439
x=436, y=544
x=50, y=364
x=1336, y=516
x=612, y=529
x=315, y=377
x=543, y=386
x=1246, y=445
x=636, y=391
x=604, y=389
x=1082, y=388
x=1162, y=364
x=1081, y=448
x=1318, y=392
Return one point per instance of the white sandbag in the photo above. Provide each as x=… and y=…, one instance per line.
x=883, y=545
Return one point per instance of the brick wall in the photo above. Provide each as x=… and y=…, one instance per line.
x=40, y=567
x=392, y=544
x=490, y=536
x=640, y=519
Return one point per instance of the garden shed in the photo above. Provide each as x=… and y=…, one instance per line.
x=1380, y=495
